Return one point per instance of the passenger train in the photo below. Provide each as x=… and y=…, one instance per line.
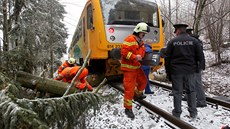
x=103, y=26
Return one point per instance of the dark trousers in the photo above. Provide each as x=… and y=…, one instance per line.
x=147, y=88
x=200, y=94
x=188, y=81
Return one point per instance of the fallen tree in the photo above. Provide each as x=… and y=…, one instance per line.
x=68, y=111
x=43, y=84
x=62, y=112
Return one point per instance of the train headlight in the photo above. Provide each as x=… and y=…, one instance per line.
x=111, y=30
x=112, y=38
x=155, y=39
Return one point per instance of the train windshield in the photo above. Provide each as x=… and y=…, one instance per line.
x=129, y=12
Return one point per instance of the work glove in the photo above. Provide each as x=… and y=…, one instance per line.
x=90, y=88
x=81, y=86
x=84, y=86
x=138, y=57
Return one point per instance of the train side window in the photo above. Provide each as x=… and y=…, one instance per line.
x=83, y=25
x=78, y=32
x=89, y=17
x=163, y=20
x=155, y=18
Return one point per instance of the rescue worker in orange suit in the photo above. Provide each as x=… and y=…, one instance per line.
x=132, y=51
x=68, y=63
x=70, y=72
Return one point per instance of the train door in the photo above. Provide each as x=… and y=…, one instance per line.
x=96, y=66
x=90, y=29
x=84, y=36
x=89, y=24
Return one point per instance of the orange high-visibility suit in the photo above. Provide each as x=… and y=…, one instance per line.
x=64, y=65
x=134, y=77
x=69, y=73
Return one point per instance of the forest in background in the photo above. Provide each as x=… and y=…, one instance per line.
x=34, y=33
x=34, y=41
x=33, y=36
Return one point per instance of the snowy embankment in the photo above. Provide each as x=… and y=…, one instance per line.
x=112, y=116
x=216, y=82
x=216, y=79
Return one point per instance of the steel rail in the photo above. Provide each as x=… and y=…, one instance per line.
x=177, y=122
x=215, y=101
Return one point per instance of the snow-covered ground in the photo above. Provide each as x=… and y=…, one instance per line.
x=216, y=82
x=217, y=79
x=112, y=116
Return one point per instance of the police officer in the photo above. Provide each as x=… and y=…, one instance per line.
x=200, y=94
x=183, y=54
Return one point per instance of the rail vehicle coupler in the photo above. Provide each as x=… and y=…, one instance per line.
x=115, y=53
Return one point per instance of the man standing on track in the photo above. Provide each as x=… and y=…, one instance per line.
x=183, y=55
x=134, y=80
x=200, y=94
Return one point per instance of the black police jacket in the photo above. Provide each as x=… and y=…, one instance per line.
x=202, y=63
x=184, y=55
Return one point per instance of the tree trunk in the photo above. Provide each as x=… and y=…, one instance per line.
x=228, y=24
x=5, y=27
x=198, y=14
x=0, y=52
x=43, y=84
x=177, y=8
x=170, y=19
x=51, y=40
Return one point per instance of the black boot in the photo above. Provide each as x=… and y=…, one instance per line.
x=193, y=116
x=171, y=94
x=184, y=98
x=129, y=113
x=141, y=97
x=201, y=105
x=151, y=92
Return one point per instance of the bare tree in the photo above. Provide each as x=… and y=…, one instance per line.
x=170, y=19
x=214, y=18
x=229, y=23
x=5, y=26
x=176, y=12
x=200, y=5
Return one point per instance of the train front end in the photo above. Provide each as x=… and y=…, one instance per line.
x=120, y=18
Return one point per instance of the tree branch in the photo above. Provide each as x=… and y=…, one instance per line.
x=219, y=18
x=209, y=3
x=78, y=73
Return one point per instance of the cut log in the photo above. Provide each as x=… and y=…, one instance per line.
x=43, y=84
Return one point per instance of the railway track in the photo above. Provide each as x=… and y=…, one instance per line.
x=216, y=101
x=173, y=121
x=177, y=122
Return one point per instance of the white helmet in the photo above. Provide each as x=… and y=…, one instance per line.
x=142, y=27
x=71, y=61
